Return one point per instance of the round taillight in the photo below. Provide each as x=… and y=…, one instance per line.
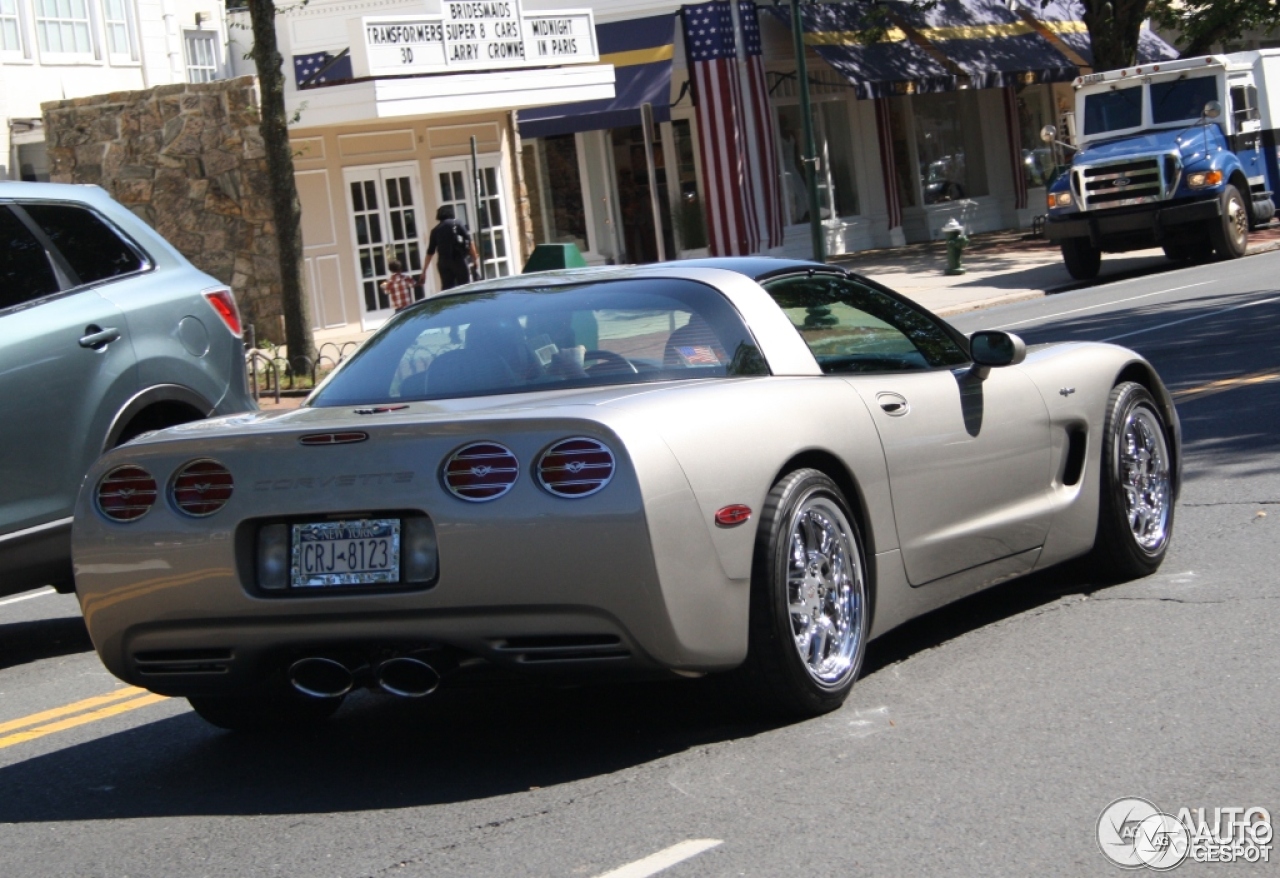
x=126, y=493
x=575, y=467
x=480, y=471
x=202, y=487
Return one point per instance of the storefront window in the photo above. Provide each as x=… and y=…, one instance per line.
x=837, y=193
x=691, y=227
x=949, y=152
x=1034, y=112
x=555, y=191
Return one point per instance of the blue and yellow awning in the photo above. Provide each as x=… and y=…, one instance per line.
x=640, y=50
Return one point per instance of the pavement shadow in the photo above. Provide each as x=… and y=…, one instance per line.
x=463, y=745
x=1231, y=433
x=24, y=642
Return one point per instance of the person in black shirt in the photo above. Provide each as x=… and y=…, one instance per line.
x=451, y=241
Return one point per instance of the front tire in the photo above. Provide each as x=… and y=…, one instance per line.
x=1082, y=258
x=1230, y=232
x=1135, y=515
x=262, y=712
x=810, y=614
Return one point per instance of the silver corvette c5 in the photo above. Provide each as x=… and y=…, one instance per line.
x=686, y=468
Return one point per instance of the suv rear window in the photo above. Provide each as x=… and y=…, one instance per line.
x=25, y=272
x=94, y=251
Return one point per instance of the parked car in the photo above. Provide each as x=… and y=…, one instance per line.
x=683, y=469
x=106, y=332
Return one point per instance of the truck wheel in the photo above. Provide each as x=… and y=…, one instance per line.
x=1230, y=232
x=1082, y=258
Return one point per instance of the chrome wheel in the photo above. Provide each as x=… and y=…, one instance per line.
x=1144, y=478
x=826, y=593
x=1237, y=222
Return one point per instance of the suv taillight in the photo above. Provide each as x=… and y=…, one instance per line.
x=126, y=493
x=202, y=487
x=224, y=303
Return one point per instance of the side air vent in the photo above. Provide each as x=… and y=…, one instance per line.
x=534, y=649
x=576, y=467
x=480, y=471
x=183, y=661
x=1073, y=468
x=126, y=493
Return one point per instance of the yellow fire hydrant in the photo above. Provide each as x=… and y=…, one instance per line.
x=957, y=240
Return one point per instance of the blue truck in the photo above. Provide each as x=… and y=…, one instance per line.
x=1180, y=155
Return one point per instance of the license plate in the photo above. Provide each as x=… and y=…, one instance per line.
x=335, y=553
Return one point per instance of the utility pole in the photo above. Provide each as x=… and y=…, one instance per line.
x=810, y=157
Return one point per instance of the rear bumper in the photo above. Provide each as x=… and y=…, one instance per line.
x=1129, y=228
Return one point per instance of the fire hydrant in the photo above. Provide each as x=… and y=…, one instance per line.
x=956, y=242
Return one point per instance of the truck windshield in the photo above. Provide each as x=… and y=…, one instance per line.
x=1113, y=110
x=1182, y=100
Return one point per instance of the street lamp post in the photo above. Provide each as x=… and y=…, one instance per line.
x=810, y=157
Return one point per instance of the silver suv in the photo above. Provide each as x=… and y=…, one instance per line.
x=106, y=332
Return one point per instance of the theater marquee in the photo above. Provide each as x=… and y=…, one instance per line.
x=471, y=35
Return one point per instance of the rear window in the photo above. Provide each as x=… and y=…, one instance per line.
x=25, y=272
x=94, y=251
x=519, y=340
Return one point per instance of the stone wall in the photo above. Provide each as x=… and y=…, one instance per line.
x=188, y=159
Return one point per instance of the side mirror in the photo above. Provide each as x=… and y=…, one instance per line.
x=1048, y=134
x=993, y=348
x=1212, y=110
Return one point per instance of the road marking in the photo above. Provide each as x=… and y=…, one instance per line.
x=1189, y=319
x=48, y=589
x=79, y=713
x=1213, y=387
x=1105, y=304
x=662, y=860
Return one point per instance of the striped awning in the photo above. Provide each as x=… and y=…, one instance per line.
x=987, y=42
x=1065, y=20
x=892, y=65
x=640, y=51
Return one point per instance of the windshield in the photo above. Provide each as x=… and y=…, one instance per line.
x=1182, y=100
x=1113, y=110
x=512, y=341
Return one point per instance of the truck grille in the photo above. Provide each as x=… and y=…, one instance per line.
x=1122, y=183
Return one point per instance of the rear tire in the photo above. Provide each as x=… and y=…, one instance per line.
x=1082, y=258
x=810, y=614
x=262, y=712
x=1230, y=232
x=1135, y=515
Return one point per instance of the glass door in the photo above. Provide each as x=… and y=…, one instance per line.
x=384, y=205
x=456, y=186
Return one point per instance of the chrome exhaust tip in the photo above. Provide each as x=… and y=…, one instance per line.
x=407, y=677
x=318, y=677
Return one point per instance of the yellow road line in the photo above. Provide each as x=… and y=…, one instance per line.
x=1225, y=384
x=46, y=715
x=80, y=720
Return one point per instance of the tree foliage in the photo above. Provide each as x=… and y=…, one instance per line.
x=1206, y=24
x=286, y=211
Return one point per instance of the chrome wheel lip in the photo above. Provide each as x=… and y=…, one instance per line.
x=825, y=590
x=1145, y=479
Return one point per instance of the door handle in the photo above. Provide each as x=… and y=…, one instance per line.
x=894, y=405
x=97, y=338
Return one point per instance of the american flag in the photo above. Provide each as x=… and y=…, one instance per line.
x=335, y=68
x=739, y=161
x=888, y=161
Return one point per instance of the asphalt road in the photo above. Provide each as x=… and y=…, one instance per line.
x=984, y=739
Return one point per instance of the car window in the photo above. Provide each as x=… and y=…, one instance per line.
x=94, y=251
x=25, y=272
x=852, y=327
x=524, y=339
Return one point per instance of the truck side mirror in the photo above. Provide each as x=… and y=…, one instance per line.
x=1048, y=134
x=1212, y=110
